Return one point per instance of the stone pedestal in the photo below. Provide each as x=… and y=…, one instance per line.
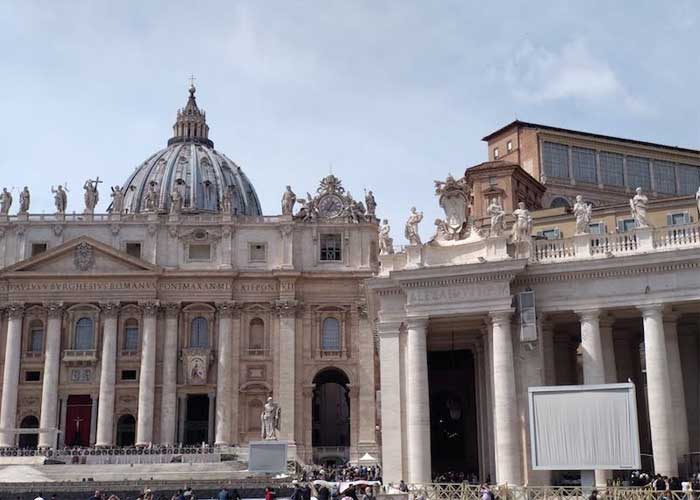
x=267, y=457
x=497, y=247
x=414, y=256
x=582, y=245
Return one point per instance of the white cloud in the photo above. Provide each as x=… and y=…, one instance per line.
x=537, y=74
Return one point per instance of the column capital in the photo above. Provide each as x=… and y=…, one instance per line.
x=388, y=328
x=588, y=315
x=15, y=310
x=172, y=309
x=651, y=310
x=110, y=309
x=286, y=308
x=228, y=309
x=308, y=390
x=149, y=308
x=417, y=323
x=362, y=310
x=500, y=317
x=54, y=309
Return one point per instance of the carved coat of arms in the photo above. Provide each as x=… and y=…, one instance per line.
x=84, y=257
x=454, y=200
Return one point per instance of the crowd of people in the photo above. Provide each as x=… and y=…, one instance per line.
x=342, y=473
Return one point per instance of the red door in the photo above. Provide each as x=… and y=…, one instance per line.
x=78, y=414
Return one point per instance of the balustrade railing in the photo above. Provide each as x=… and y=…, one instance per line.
x=465, y=491
x=546, y=250
x=677, y=236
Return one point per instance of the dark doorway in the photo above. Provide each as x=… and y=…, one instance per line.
x=29, y=440
x=453, y=416
x=126, y=430
x=331, y=416
x=197, y=422
x=78, y=415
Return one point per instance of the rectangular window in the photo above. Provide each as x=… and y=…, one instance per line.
x=509, y=146
x=495, y=153
x=625, y=225
x=32, y=376
x=199, y=251
x=555, y=159
x=550, y=234
x=128, y=374
x=678, y=219
x=134, y=249
x=38, y=248
x=257, y=252
x=131, y=338
x=611, y=169
x=665, y=177
x=597, y=227
x=330, y=247
x=638, y=173
x=688, y=179
x=583, y=163
x=36, y=340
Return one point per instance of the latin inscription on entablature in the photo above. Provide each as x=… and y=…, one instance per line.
x=457, y=293
x=79, y=286
x=250, y=286
x=195, y=286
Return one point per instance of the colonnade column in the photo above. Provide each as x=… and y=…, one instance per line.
x=367, y=420
x=663, y=440
x=234, y=362
x=679, y=414
x=223, y=375
x=593, y=361
x=390, y=376
x=10, y=380
x=505, y=414
x=105, y=414
x=168, y=397
x=181, y=418
x=49, y=388
x=287, y=366
x=417, y=402
x=147, y=380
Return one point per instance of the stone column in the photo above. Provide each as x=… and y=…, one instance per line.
x=168, y=399
x=234, y=361
x=10, y=380
x=663, y=441
x=108, y=373
x=679, y=414
x=49, y=388
x=593, y=362
x=368, y=424
x=505, y=413
x=417, y=402
x=147, y=380
x=182, y=417
x=390, y=376
x=212, y=418
x=62, y=422
x=608, y=345
x=93, y=419
x=223, y=375
x=286, y=310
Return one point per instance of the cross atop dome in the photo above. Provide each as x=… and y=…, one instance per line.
x=191, y=123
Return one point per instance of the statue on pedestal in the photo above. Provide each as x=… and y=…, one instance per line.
x=175, y=202
x=582, y=211
x=288, y=201
x=151, y=199
x=270, y=420
x=411, y=230
x=638, y=208
x=91, y=195
x=117, y=200
x=60, y=199
x=522, y=228
x=5, y=201
x=24, y=199
x=371, y=204
x=497, y=214
x=386, y=242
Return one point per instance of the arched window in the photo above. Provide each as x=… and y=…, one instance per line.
x=84, y=335
x=199, y=336
x=330, y=340
x=131, y=335
x=559, y=202
x=29, y=440
x=256, y=336
x=126, y=430
x=36, y=336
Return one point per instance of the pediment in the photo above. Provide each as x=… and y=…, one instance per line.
x=81, y=256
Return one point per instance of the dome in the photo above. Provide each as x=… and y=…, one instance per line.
x=203, y=176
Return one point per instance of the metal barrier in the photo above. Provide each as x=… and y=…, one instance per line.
x=464, y=491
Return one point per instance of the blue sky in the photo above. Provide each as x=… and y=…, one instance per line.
x=391, y=94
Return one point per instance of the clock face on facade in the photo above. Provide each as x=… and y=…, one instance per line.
x=330, y=206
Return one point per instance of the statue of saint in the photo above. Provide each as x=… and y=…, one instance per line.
x=522, y=228
x=497, y=214
x=91, y=195
x=386, y=243
x=411, y=230
x=582, y=211
x=638, y=207
x=151, y=199
x=371, y=204
x=117, y=200
x=288, y=201
x=697, y=199
x=24, y=199
x=60, y=199
x=226, y=204
x=175, y=201
x=270, y=420
x=5, y=201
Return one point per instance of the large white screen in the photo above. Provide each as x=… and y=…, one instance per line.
x=582, y=427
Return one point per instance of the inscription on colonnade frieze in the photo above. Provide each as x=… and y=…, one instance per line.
x=457, y=293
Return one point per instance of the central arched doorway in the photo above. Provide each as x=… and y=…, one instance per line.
x=330, y=433
x=126, y=430
x=29, y=440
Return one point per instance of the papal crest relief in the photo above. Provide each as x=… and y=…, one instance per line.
x=84, y=257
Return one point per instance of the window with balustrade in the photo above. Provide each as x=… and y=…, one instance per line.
x=84, y=338
x=612, y=169
x=638, y=173
x=555, y=160
x=330, y=335
x=256, y=337
x=131, y=335
x=35, y=344
x=665, y=177
x=583, y=165
x=199, y=332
